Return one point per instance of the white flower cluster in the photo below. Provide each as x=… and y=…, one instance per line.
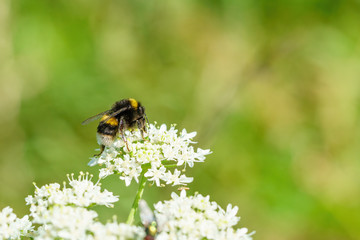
x=62, y=213
x=195, y=217
x=12, y=227
x=83, y=193
x=64, y=222
x=116, y=231
x=162, y=148
x=74, y=223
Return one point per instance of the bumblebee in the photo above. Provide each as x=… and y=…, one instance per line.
x=124, y=114
x=148, y=220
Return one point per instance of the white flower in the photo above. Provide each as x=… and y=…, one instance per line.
x=176, y=179
x=162, y=149
x=195, y=217
x=82, y=192
x=12, y=227
x=74, y=223
x=64, y=222
x=155, y=174
x=61, y=213
x=115, y=231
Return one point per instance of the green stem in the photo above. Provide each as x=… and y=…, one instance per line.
x=140, y=191
x=138, y=196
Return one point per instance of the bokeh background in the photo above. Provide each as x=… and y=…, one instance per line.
x=271, y=87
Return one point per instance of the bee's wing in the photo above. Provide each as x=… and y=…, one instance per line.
x=146, y=214
x=115, y=113
x=97, y=116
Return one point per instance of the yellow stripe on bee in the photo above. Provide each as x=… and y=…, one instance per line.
x=133, y=103
x=112, y=121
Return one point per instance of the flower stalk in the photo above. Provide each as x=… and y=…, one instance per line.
x=138, y=196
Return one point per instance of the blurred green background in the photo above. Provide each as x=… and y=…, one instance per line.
x=271, y=87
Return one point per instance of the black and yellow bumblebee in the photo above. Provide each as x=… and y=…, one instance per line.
x=124, y=114
x=148, y=220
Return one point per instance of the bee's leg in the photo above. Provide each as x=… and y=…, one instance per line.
x=121, y=129
x=101, y=151
x=141, y=125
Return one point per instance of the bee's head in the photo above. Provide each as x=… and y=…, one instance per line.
x=141, y=116
x=140, y=109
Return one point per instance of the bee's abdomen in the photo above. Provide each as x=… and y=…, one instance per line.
x=107, y=129
x=105, y=140
x=106, y=132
